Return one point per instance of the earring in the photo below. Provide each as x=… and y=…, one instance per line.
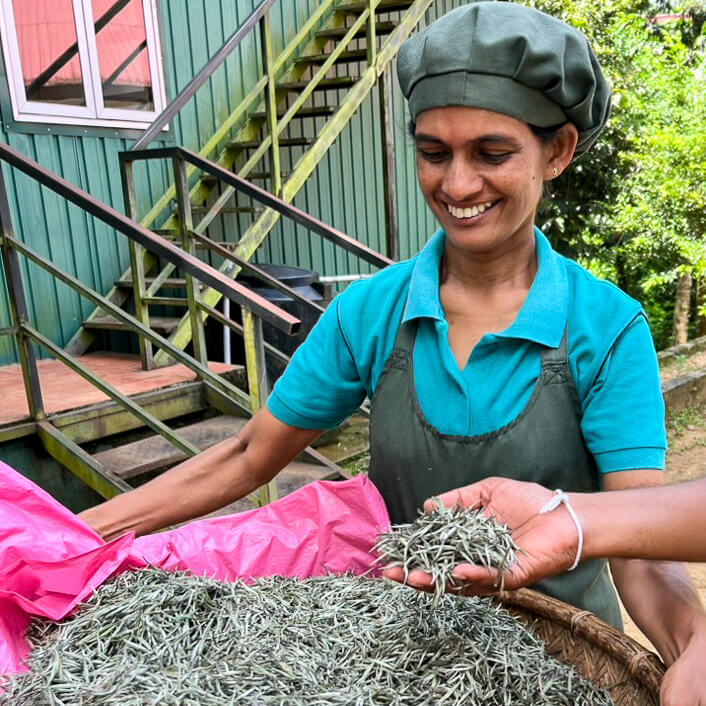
x=555, y=171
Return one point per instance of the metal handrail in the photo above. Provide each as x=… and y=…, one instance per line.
x=254, y=309
x=160, y=246
x=203, y=75
x=264, y=197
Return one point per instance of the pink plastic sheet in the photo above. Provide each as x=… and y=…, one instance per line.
x=50, y=560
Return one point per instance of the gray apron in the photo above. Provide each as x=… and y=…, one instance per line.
x=412, y=461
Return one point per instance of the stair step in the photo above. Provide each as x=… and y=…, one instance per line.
x=356, y=6
x=295, y=475
x=354, y=55
x=326, y=84
x=340, y=32
x=253, y=176
x=160, y=324
x=229, y=209
x=308, y=112
x=155, y=452
x=286, y=142
x=169, y=283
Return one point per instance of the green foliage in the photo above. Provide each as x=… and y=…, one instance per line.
x=633, y=209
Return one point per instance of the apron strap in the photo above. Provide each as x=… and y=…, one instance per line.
x=553, y=356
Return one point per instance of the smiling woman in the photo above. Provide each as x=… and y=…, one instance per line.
x=487, y=353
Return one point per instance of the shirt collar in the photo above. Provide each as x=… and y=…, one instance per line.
x=541, y=319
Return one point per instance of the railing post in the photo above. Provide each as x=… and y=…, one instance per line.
x=18, y=308
x=257, y=380
x=271, y=103
x=371, y=41
x=137, y=265
x=389, y=180
x=187, y=242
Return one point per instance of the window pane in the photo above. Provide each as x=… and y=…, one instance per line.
x=46, y=34
x=121, y=40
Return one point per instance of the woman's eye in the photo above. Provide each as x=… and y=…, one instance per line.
x=432, y=156
x=494, y=157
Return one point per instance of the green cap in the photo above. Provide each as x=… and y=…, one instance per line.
x=510, y=59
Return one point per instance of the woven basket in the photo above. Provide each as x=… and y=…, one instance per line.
x=605, y=656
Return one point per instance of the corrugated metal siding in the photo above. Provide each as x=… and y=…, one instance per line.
x=62, y=233
x=345, y=191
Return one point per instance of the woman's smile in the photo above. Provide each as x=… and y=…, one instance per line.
x=471, y=214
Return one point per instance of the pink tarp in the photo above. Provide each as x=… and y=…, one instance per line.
x=50, y=560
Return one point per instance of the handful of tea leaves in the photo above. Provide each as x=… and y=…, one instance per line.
x=438, y=541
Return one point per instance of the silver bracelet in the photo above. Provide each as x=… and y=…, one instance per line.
x=559, y=498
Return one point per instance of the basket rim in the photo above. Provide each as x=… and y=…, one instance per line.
x=642, y=664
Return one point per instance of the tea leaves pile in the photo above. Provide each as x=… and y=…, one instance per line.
x=152, y=637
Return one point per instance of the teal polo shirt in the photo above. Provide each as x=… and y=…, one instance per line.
x=611, y=358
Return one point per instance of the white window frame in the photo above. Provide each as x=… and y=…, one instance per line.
x=94, y=113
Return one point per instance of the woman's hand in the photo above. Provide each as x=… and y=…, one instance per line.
x=547, y=543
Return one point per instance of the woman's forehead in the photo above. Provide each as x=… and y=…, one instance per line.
x=462, y=123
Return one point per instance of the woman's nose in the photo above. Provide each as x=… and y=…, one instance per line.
x=461, y=180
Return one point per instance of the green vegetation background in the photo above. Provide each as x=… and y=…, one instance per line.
x=633, y=210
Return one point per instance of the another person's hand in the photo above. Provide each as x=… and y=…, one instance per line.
x=547, y=543
x=683, y=683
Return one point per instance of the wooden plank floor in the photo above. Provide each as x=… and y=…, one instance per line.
x=62, y=389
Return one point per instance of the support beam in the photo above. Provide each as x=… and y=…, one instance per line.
x=389, y=177
x=152, y=422
x=257, y=383
x=80, y=463
x=18, y=307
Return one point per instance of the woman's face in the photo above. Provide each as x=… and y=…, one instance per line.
x=481, y=174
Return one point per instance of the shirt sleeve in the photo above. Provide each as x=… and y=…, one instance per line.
x=623, y=419
x=320, y=386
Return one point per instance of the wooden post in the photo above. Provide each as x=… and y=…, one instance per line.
x=187, y=244
x=257, y=381
x=18, y=308
x=388, y=169
x=137, y=265
x=271, y=104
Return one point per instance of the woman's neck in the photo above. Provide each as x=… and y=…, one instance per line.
x=515, y=266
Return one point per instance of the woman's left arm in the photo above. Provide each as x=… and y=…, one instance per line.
x=665, y=605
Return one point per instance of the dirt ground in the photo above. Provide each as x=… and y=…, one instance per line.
x=681, y=365
x=686, y=459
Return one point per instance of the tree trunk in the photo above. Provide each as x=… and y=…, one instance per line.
x=701, y=303
x=682, y=303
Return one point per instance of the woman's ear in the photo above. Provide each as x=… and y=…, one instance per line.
x=560, y=151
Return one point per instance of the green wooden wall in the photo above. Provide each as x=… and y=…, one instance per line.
x=345, y=191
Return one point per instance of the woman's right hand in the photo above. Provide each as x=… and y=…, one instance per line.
x=547, y=543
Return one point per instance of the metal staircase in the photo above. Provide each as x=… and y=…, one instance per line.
x=343, y=49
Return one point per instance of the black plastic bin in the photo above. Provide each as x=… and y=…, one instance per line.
x=303, y=282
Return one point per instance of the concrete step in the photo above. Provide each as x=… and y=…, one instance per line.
x=294, y=476
x=155, y=452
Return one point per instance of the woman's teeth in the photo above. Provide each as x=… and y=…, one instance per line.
x=469, y=212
